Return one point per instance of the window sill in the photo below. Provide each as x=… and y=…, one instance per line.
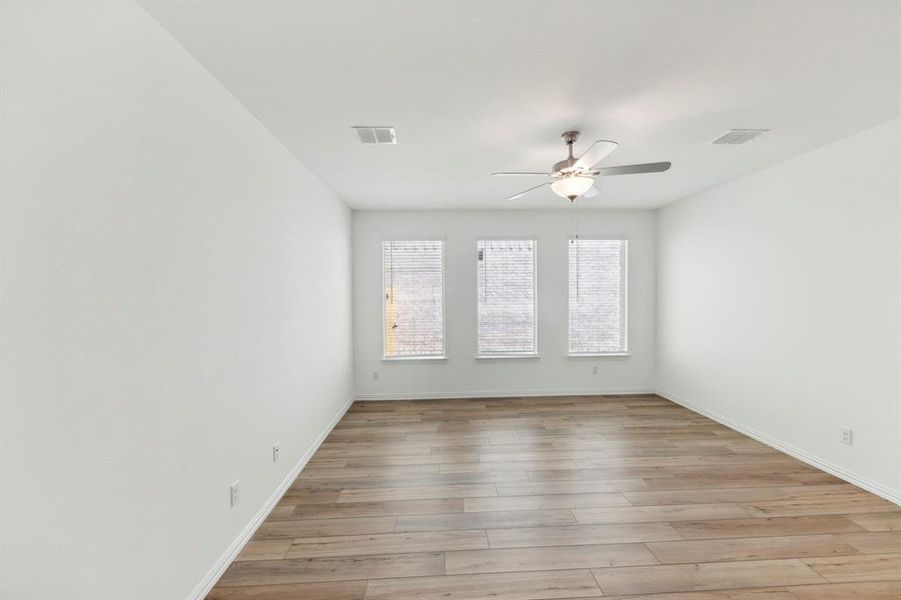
x=505, y=356
x=599, y=355
x=412, y=358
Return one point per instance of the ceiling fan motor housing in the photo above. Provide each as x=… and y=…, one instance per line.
x=564, y=165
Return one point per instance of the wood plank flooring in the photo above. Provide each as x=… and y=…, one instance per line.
x=564, y=497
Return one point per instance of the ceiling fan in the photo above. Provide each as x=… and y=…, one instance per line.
x=574, y=177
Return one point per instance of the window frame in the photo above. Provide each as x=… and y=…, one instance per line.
x=509, y=355
x=625, y=352
x=421, y=357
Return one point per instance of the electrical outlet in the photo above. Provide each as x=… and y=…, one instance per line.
x=594, y=370
x=375, y=375
x=845, y=435
x=276, y=450
x=235, y=492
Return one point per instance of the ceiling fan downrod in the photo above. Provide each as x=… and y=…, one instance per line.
x=569, y=138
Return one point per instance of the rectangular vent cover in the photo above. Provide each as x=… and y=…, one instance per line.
x=376, y=135
x=739, y=136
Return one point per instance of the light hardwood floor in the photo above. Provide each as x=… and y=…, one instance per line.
x=572, y=497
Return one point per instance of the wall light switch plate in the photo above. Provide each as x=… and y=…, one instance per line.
x=846, y=435
x=276, y=453
x=235, y=492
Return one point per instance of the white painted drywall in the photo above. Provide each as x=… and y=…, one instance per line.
x=778, y=304
x=464, y=375
x=176, y=300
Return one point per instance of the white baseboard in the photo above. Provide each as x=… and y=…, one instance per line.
x=501, y=394
x=861, y=482
x=206, y=584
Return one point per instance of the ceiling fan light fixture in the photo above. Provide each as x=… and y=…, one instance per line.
x=572, y=187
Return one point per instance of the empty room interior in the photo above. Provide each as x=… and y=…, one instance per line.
x=450, y=300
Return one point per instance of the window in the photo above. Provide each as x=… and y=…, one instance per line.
x=597, y=296
x=413, y=274
x=506, y=302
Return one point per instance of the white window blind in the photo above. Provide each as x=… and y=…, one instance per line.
x=597, y=296
x=506, y=302
x=414, y=298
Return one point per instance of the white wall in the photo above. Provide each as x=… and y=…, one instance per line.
x=176, y=299
x=462, y=374
x=778, y=305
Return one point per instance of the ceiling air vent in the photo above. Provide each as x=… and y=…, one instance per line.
x=739, y=136
x=376, y=135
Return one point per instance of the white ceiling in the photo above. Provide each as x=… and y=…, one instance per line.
x=475, y=87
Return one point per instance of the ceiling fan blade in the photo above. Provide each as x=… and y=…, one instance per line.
x=595, y=154
x=509, y=173
x=592, y=191
x=524, y=192
x=657, y=167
